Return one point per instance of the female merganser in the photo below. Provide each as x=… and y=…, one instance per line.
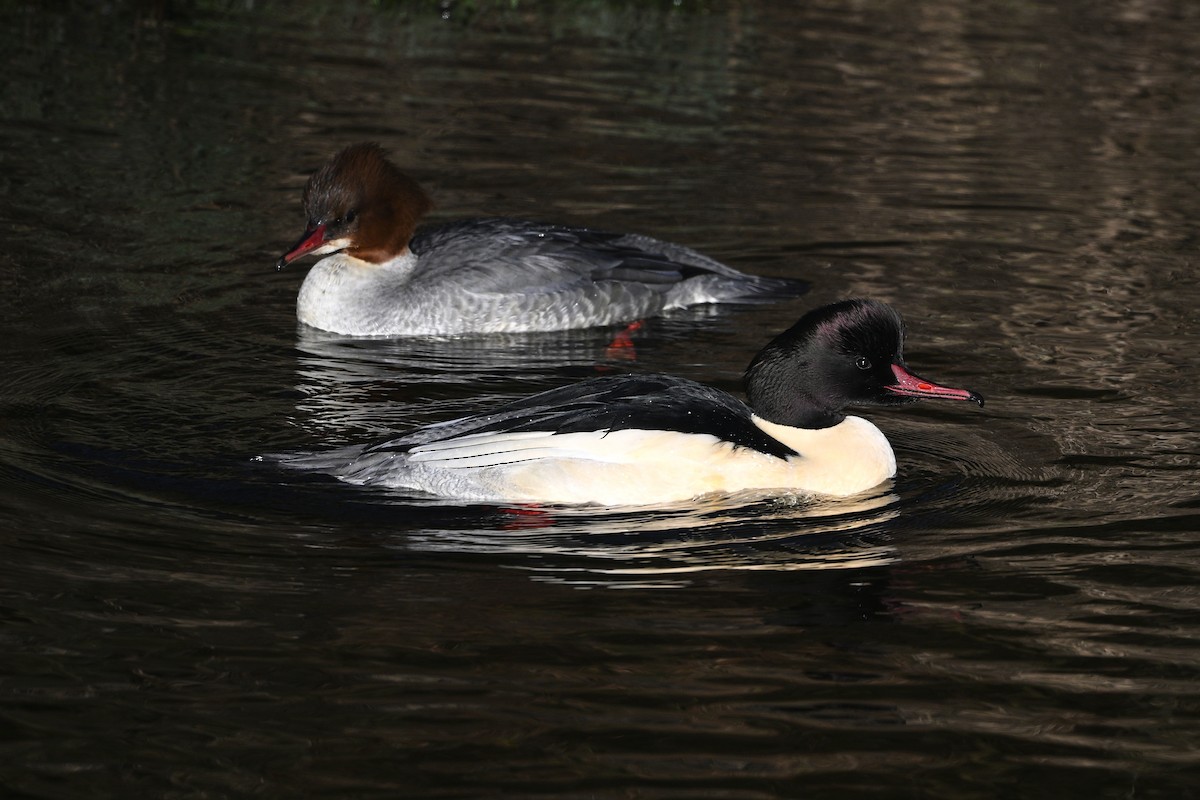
x=482, y=275
x=643, y=439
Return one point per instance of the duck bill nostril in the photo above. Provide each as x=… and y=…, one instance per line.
x=911, y=385
x=311, y=239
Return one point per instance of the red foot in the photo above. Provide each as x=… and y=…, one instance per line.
x=527, y=518
x=621, y=348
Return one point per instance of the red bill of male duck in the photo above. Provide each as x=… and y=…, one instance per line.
x=385, y=277
x=655, y=439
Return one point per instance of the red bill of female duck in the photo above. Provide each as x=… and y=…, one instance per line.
x=385, y=277
x=652, y=439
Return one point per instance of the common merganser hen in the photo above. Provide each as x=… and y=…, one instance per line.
x=649, y=439
x=488, y=275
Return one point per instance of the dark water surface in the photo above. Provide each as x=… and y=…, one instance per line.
x=1015, y=617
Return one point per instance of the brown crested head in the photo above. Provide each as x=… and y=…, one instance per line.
x=363, y=198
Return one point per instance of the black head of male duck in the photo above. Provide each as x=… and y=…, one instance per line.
x=845, y=354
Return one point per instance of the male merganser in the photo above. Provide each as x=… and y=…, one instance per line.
x=482, y=275
x=646, y=439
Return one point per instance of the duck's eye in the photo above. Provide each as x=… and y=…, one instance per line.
x=351, y=215
x=862, y=362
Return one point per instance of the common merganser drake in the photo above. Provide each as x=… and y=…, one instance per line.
x=650, y=439
x=488, y=275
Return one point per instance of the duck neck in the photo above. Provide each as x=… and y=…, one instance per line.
x=403, y=262
x=345, y=269
x=798, y=412
x=777, y=389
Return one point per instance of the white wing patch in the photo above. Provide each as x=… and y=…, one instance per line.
x=478, y=450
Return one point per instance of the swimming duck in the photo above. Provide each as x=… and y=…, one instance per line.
x=651, y=439
x=382, y=276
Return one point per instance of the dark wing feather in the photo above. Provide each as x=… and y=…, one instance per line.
x=613, y=403
x=541, y=256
